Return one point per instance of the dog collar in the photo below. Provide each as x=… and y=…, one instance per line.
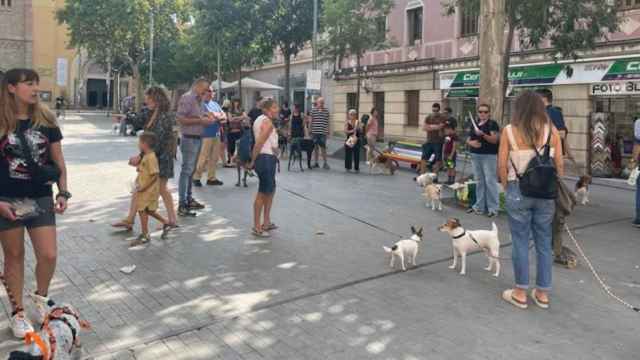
x=461, y=235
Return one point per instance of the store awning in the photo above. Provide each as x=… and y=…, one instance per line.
x=249, y=83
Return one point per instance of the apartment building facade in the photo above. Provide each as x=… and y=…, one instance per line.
x=436, y=60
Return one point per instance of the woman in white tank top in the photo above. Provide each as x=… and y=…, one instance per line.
x=529, y=218
x=265, y=161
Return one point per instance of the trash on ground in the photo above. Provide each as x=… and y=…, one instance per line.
x=128, y=269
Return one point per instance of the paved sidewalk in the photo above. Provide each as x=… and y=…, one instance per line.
x=320, y=288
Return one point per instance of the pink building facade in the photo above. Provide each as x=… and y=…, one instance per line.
x=435, y=59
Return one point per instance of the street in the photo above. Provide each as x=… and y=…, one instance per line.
x=320, y=287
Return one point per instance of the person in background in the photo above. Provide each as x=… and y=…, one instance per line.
x=371, y=132
x=451, y=120
x=297, y=130
x=224, y=130
x=636, y=139
x=236, y=118
x=210, y=151
x=264, y=160
x=636, y=222
x=450, y=152
x=284, y=121
x=529, y=218
x=483, y=144
x=557, y=118
x=256, y=111
x=432, y=148
x=192, y=121
x=159, y=122
x=352, y=153
x=320, y=131
x=27, y=124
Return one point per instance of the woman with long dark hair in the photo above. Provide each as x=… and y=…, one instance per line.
x=31, y=160
x=159, y=121
x=529, y=217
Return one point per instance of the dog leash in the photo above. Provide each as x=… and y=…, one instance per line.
x=604, y=286
x=487, y=251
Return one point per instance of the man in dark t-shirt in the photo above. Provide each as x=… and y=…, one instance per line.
x=483, y=144
x=432, y=148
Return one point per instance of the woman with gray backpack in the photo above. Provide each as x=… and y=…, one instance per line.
x=529, y=163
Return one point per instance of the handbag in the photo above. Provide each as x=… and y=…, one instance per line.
x=566, y=200
x=40, y=174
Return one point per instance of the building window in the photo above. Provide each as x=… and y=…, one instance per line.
x=469, y=22
x=629, y=4
x=414, y=25
x=413, y=107
x=381, y=28
x=5, y=3
x=351, y=101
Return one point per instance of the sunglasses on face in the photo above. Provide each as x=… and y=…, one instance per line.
x=483, y=112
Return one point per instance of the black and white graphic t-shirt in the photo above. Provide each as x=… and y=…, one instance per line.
x=15, y=177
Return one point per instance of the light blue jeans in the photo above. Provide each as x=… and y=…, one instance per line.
x=190, y=149
x=637, y=221
x=530, y=218
x=486, y=176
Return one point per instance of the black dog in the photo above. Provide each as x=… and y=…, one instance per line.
x=297, y=148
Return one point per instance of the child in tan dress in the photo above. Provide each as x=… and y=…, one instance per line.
x=148, y=189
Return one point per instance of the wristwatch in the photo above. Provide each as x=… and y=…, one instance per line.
x=65, y=194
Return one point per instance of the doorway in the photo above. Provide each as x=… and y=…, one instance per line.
x=378, y=103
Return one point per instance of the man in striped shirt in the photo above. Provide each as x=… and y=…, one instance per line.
x=320, y=131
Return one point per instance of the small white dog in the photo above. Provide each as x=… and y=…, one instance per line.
x=582, y=189
x=59, y=338
x=425, y=179
x=433, y=194
x=408, y=248
x=464, y=241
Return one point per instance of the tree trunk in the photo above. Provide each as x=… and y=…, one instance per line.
x=358, y=85
x=135, y=67
x=287, y=75
x=507, y=58
x=240, y=86
x=492, y=56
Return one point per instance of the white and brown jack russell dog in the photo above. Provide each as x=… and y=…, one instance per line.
x=405, y=248
x=464, y=241
x=59, y=338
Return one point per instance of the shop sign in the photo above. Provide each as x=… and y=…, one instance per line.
x=463, y=93
x=553, y=74
x=616, y=88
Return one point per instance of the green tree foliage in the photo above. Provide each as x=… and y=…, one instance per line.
x=352, y=27
x=569, y=26
x=119, y=30
x=289, y=26
x=237, y=28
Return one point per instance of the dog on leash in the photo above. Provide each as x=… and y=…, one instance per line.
x=426, y=179
x=295, y=153
x=582, y=189
x=384, y=163
x=464, y=241
x=433, y=194
x=405, y=248
x=58, y=339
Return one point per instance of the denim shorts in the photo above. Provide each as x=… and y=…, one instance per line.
x=266, y=165
x=320, y=140
x=46, y=218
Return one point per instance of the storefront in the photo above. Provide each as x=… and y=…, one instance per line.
x=600, y=98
